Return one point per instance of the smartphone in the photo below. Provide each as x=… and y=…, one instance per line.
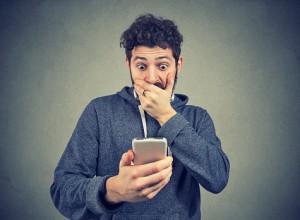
x=147, y=150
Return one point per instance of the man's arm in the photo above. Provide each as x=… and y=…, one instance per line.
x=76, y=191
x=199, y=150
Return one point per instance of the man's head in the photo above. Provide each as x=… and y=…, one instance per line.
x=152, y=47
x=150, y=31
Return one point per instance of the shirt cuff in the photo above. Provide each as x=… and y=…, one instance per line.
x=95, y=197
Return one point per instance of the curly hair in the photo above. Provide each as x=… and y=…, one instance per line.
x=150, y=31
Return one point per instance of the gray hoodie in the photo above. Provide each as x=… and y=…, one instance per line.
x=105, y=131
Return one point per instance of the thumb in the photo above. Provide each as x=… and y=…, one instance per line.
x=126, y=159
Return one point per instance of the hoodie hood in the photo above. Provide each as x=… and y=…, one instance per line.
x=127, y=94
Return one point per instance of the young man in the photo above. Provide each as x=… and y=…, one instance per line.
x=96, y=179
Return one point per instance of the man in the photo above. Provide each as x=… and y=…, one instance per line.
x=96, y=178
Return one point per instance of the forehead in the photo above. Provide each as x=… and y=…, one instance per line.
x=150, y=53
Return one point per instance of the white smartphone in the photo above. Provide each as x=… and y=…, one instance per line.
x=147, y=150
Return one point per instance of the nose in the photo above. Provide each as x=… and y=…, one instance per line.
x=152, y=76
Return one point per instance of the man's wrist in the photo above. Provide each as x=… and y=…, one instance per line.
x=164, y=118
x=112, y=196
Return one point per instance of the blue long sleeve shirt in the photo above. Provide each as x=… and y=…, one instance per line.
x=105, y=131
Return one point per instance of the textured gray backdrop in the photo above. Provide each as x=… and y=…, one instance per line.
x=241, y=63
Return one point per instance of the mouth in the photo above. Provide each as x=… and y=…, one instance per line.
x=159, y=85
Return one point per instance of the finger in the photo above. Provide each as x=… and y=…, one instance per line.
x=152, y=180
x=153, y=190
x=146, y=86
x=126, y=159
x=154, y=193
x=139, y=90
x=155, y=167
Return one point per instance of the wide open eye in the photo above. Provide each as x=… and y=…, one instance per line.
x=141, y=66
x=163, y=66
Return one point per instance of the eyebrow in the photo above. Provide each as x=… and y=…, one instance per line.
x=141, y=58
x=163, y=57
x=158, y=58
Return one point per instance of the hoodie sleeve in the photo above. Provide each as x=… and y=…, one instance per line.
x=199, y=150
x=76, y=192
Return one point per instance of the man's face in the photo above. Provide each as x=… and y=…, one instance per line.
x=153, y=65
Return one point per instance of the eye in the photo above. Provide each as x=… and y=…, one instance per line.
x=163, y=66
x=141, y=66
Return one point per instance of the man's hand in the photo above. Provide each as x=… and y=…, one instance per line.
x=155, y=101
x=138, y=183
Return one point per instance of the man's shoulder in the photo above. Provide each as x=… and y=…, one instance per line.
x=194, y=113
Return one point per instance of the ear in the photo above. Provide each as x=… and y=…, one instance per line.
x=179, y=64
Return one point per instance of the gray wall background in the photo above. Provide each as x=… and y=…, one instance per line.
x=241, y=63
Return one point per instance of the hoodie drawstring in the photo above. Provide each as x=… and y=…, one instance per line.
x=142, y=113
